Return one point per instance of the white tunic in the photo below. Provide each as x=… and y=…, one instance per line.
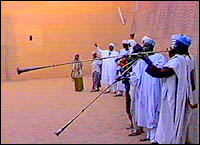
x=109, y=66
x=134, y=95
x=175, y=112
x=120, y=86
x=96, y=66
x=148, y=94
x=124, y=52
x=132, y=43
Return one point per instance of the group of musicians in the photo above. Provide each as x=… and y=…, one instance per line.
x=160, y=92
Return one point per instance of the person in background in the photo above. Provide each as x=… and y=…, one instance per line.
x=132, y=42
x=96, y=72
x=109, y=66
x=77, y=73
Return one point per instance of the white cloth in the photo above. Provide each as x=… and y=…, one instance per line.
x=119, y=85
x=96, y=66
x=149, y=40
x=132, y=43
x=134, y=96
x=109, y=66
x=148, y=94
x=125, y=42
x=151, y=134
x=124, y=52
x=192, y=67
x=112, y=44
x=133, y=108
x=175, y=111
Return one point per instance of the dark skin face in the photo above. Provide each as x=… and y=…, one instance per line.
x=125, y=46
x=94, y=55
x=77, y=57
x=171, y=52
x=111, y=48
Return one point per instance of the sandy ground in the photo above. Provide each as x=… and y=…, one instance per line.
x=31, y=111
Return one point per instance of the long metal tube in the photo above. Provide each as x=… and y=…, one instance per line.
x=22, y=70
x=58, y=132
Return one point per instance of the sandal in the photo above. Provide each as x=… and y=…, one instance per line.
x=129, y=127
x=107, y=92
x=134, y=134
x=144, y=139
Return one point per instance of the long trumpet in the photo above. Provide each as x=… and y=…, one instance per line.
x=58, y=132
x=22, y=70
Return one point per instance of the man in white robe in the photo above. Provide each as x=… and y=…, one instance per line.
x=177, y=92
x=109, y=66
x=148, y=91
x=123, y=52
x=134, y=98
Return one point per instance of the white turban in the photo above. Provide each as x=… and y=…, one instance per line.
x=125, y=42
x=147, y=39
x=112, y=44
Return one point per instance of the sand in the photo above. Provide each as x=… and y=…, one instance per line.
x=31, y=111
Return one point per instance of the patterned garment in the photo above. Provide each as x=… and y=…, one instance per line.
x=77, y=71
x=96, y=78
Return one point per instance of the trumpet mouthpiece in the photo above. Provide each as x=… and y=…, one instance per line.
x=18, y=71
x=56, y=133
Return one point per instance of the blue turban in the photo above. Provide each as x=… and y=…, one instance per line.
x=182, y=38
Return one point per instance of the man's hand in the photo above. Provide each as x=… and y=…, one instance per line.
x=145, y=58
x=95, y=45
x=119, y=78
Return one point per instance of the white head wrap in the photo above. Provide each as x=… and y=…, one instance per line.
x=147, y=39
x=125, y=42
x=112, y=44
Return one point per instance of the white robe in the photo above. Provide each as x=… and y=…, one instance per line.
x=148, y=92
x=134, y=98
x=124, y=52
x=132, y=43
x=119, y=85
x=175, y=112
x=109, y=66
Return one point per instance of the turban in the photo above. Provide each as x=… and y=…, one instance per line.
x=182, y=38
x=147, y=39
x=112, y=44
x=125, y=42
